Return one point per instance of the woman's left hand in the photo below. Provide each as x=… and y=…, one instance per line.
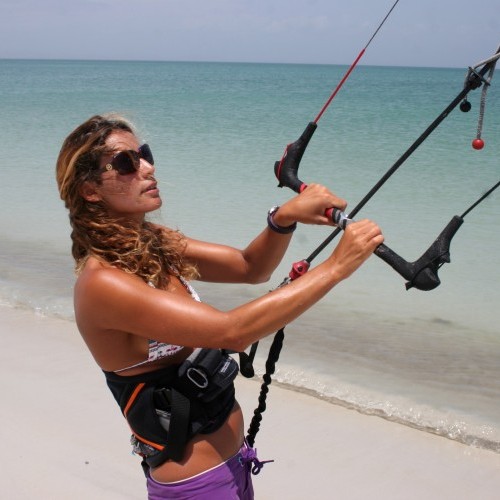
x=309, y=207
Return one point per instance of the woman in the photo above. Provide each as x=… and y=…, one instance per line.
x=144, y=324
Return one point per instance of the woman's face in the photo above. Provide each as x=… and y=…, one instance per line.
x=128, y=195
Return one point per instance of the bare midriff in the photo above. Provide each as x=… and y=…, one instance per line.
x=205, y=451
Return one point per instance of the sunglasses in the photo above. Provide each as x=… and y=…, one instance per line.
x=129, y=161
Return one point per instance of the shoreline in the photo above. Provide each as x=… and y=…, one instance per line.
x=465, y=439
x=60, y=418
x=52, y=293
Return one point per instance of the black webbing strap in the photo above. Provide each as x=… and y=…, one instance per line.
x=177, y=432
x=246, y=361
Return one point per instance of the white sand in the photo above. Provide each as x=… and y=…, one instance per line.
x=63, y=437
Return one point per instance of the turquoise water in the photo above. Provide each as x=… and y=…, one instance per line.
x=427, y=359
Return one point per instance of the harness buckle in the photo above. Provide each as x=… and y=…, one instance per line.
x=197, y=377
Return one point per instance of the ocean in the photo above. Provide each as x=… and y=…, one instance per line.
x=430, y=360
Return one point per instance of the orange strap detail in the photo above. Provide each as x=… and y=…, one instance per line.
x=132, y=398
x=153, y=445
x=130, y=402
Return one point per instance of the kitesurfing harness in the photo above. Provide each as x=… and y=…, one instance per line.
x=166, y=407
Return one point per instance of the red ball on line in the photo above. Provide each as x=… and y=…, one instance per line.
x=478, y=144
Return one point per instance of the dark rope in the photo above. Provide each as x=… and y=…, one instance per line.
x=274, y=354
x=485, y=195
x=353, y=65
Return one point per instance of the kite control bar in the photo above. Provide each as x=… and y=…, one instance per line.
x=422, y=273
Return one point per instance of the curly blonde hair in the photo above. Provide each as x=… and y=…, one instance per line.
x=149, y=251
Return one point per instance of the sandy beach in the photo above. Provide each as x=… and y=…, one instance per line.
x=64, y=437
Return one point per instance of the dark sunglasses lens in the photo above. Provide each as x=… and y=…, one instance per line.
x=126, y=162
x=145, y=152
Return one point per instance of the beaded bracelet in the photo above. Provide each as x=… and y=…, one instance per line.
x=279, y=229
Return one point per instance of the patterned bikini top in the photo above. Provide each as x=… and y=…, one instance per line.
x=158, y=350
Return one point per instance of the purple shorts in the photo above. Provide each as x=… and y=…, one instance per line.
x=230, y=480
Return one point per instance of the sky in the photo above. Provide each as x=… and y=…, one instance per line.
x=434, y=33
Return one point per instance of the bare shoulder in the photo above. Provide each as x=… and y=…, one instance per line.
x=111, y=301
x=102, y=290
x=98, y=278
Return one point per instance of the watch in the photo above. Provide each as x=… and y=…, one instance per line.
x=279, y=229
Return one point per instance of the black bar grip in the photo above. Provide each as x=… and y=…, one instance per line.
x=422, y=273
x=287, y=168
x=423, y=279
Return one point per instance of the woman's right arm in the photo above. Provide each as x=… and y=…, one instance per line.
x=110, y=300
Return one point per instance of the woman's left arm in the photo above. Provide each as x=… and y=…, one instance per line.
x=256, y=263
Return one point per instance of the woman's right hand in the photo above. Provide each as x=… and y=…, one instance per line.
x=309, y=207
x=359, y=241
